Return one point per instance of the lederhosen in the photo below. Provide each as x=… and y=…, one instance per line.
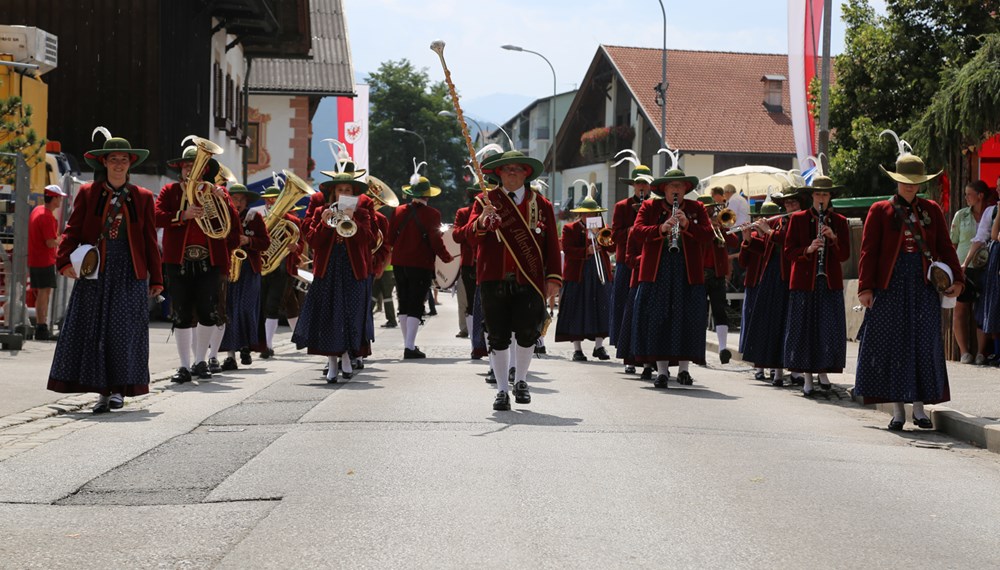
x=195, y=286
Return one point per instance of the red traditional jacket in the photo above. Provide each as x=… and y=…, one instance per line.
x=493, y=259
x=575, y=240
x=716, y=257
x=252, y=226
x=321, y=199
x=633, y=258
x=90, y=209
x=178, y=233
x=801, y=232
x=293, y=259
x=468, y=251
x=415, y=239
x=756, y=254
x=652, y=213
x=622, y=219
x=322, y=238
x=382, y=254
x=883, y=237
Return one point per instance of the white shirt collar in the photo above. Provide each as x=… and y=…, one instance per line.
x=518, y=195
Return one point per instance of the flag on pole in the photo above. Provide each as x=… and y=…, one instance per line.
x=804, y=29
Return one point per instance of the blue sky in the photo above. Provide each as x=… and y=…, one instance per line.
x=566, y=32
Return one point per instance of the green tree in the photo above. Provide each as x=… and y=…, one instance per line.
x=16, y=135
x=404, y=97
x=891, y=68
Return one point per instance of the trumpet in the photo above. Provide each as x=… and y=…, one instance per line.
x=749, y=225
x=214, y=221
x=605, y=238
x=337, y=219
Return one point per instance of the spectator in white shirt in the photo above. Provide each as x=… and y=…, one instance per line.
x=738, y=204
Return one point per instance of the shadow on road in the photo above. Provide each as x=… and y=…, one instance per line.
x=694, y=392
x=528, y=418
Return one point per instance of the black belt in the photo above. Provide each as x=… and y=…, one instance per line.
x=195, y=253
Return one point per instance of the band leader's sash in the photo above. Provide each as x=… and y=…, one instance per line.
x=519, y=239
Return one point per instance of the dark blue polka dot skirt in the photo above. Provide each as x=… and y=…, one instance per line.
x=583, y=307
x=749, y=300
x=478, y=331
x=370, y=321
x=990, y=308
x=332, y=321
x=617, y=304
x=103, y=344
x=763, y=335
x=816, y=333
x=624, y=346
x=901, y=356
x=242, y=311
x=671, y=316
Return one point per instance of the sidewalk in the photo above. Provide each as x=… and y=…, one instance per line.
x=972, y=414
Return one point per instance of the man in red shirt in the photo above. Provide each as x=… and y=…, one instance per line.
x=43, y=238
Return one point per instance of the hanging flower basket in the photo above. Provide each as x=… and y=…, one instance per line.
x=599, y=144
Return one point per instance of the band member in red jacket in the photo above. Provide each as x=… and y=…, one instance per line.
x=718, y=269
x=518, y=267
x=583, y=307
x=194, y=264
x=622, y=219
x=274, y=287
x=671, y=309
x=817, y=242
x=906, y=256
x=415, y=239
x=333, y=317
x=765, y=303
x=467, y=277
x=103, y=346
x=243, y=293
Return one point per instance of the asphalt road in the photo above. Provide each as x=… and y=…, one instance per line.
x=407, y=466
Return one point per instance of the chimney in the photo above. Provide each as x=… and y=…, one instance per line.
x=773, y=86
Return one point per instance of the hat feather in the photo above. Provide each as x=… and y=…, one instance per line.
x=904, y=147
x=103, y=131
x=509, y=140
x=279, y=182
x=339, y=152
x=674, y=157
x=415, y=178
x=590, y=186
x=490, y=147
x=630, y=156
x=817, y=163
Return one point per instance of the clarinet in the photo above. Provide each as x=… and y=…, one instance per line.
x=675, y=232
x=821, y=252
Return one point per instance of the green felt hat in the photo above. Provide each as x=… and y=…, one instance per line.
x=271, y=192
x=113, y=144
x=359, y=186
x=188, y=155
x=673, y=175
x=641, y=173
x=819, y=183
x=910, y=169
x=707, y=200
x=769, y=209
x=492, y=165
x=421, y=188
x=588, y=206
x=241, y=189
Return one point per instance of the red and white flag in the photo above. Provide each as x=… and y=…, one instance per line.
x=805, y=18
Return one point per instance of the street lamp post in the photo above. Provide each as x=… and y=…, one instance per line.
x=480, y=131
x=422, y=143
x=662, y=87
x=552, y=114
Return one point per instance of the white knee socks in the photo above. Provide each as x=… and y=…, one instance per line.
x=291, y=322
x=899, y=411
x=412, y=327
x=808, y=386
x=722, y=332
x=598, y=342
x=270, y=326
x=501, y=368
x=577, y=346
x=331, y=372
x=202, y=338
x=345, y=363
x=663, y=367
x=217, y=334
x=183, y=338
x=918, y=410
x=682, y=366
x=522, y=359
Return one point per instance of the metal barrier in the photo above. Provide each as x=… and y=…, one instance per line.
x=15, y=274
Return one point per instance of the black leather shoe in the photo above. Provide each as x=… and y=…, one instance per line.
x=201, y=371
x=578, y=356
x=630, y=370
x=181, y=376
x=521, y=394
x=923, y=423
x=267, y=353
x=825, y=387
x=348, y=375
x=390, y=325
x=412, y=354
x=42, y=332
x=230, y=364
x=245, y=358
x=502, y=402
x=330, y=380
x=661, y=381
x=759, y=375
x=725, y=355
x=601, y=354
x=896, y=425
x=462, y=335
x=358, y=364
x=101, y=407
x=647, y=374
x=213, y=365
x=539, y=350
x=684, y=378
x=116, y=402
x=798, y=380
x=490, y=377
x=808, y=393
x=778, y=382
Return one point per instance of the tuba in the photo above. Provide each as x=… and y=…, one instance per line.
x=381, y=193
x=605, y=237
x=215, y=221
x=283, y=233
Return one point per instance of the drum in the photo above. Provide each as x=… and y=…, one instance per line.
x=445, y=274
x=303, y=279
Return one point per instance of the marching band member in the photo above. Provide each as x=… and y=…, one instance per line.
x=715, y=260
x=243, y=293
x=905, y=248
x=765, y=305
x=518, y=268
x=194, y=263
x=583, y=306
x=378, y=254
x=622, y=219
x=625, y=349
x=333, y=317
x=468, y=271
x=415, y=238
x=671, y=312
x=276, y=288
x=817, y=242
x=103, y=344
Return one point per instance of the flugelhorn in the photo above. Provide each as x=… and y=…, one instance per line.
x=337, y=219
x=750, y=224
x=493, y=220
x=283, y=233
x=214, y=221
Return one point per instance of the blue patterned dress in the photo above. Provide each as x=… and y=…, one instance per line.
x=103, y=344
x=618, y=304
x=624, y=347
x=242, y=311
x=815, y=330
x=478, y=332
x=670, y=316
x=988, y=310
x=901, y=356
x=333, y=316
x=583, y=307
x=762, y=340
